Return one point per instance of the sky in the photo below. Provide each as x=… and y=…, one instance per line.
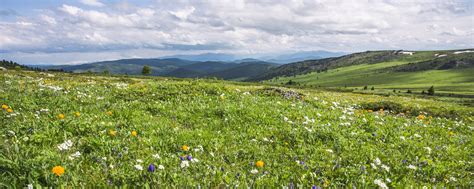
x=72, y=32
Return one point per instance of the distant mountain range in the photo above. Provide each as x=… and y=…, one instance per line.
x=220, y=65
x=279, y=58
x=175, y=67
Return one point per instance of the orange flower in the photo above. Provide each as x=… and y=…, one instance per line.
x=134, y=133
x=109, y=113
x=61, y=116
x=370, y=111
x=185, y=148
x=260, y=163
x=58, y=170
x=4, y=106
x=77, y=114
x=9, y=110
x=421, y=117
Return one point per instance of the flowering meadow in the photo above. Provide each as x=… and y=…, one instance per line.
x=75, y=130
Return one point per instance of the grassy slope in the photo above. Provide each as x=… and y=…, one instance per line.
x=459, y=81
x=234, y=128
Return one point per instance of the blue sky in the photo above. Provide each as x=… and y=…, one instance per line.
x=71, y=32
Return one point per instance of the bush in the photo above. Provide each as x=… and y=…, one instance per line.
x=431, y=91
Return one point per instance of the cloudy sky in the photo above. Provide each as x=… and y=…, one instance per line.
x=69, y=32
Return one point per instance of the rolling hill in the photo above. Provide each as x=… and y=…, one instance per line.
x=449, y=71
x=175, y=67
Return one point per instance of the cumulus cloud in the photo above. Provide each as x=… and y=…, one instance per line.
x=236, y=26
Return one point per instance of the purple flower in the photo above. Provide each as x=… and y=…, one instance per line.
x=189, y=158
x=181, y=158
x=151, y=168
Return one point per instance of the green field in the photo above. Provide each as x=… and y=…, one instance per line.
x=72, y=130
x=456, y=81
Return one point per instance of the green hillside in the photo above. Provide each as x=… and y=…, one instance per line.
x=453, y=73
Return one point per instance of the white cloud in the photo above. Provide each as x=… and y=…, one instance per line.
x=95, y=3
x=240, y=26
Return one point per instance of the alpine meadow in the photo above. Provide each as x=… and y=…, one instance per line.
x=236, y=94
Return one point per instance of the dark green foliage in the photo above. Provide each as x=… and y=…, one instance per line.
x=408, y=91
x=431, y=91
x=372, y=88
x=365, y=87
x=146, y=70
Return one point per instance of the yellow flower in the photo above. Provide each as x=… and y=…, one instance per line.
x=61, y=116
x=260, y=163
x=451, y=133
x=185, y=148
x=9, y=110
x=421, y=117
x=370, y=111
x=134, y=133
x=4, y=106
x=58, y=170
x=109, y=113
x=381, y=109
x=112, y=132
x=326, y=183
x=77, y=114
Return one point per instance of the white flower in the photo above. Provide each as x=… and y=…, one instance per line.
x=388, y=180
x=184, y=164
x=30, y=186
x=329, y=150
x=452, y=179
x=428, y=149
x=199, y=148
x=377, y=161
x=373, y=166
x=139, y=167
x=254, y=171
x=417, y=135
x=65, y=145
x=161, y=167
x=156, y=156
x=246, y=93
x=194, y=160
x=402, y=138
x=412, y=167
x=139, y=161
x=75, y=155
x=387, y=168
x=380, y=183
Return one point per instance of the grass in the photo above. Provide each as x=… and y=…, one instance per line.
x=305, y=138
x=456, y=81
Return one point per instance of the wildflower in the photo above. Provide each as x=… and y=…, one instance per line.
x=185, y=148
x=184, y=164
x=61, y=116
x=329, y=150
x=134, y=133
x=75, y=155
x=380, y=183
x=58, y=170
x=190, y=158
x=451, y=133
x=181, y=158
x=387, y=168
x=254, y=171
x=417, y=135
x=161, y=167
x=377, y=161
x=4, y=106
x=112, y=132
x=222, y=96
x=412, y=167
x=138, y=167
x=9, y=110
x=370, y=111
x=156, y=156
x=421, y=117
x=139, y=161
x=77, y=114
x=65, y=145
x=260, y=163
x=108, y=113
x=428, y=149
x=151, y=168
